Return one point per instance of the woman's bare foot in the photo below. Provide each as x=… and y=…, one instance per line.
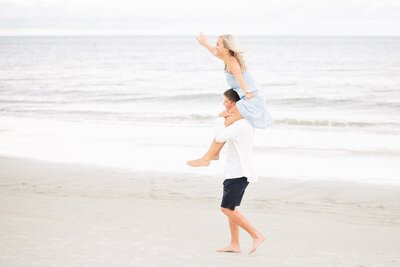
x=215, y=157
x=198, y=162
x=230, y=248
x=256, y=243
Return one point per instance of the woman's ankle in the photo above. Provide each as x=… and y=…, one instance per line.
x=206, y=158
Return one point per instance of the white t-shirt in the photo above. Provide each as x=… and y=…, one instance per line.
x=239, y=138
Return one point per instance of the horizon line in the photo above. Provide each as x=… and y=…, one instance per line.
x=173, y=34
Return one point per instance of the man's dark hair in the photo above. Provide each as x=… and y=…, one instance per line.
x=232, y=95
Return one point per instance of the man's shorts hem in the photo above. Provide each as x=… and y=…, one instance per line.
x=233, y=192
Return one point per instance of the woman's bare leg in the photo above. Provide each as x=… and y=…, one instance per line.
x=215, y=148
x=235, y=117
x=211, y=154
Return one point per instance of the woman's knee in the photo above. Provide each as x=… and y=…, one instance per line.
x=231, y=119
x=234, y=110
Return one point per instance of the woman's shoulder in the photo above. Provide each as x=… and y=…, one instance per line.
x=228, y=68
x=233, y=62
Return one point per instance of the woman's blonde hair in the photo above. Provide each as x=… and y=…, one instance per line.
x=230, y=43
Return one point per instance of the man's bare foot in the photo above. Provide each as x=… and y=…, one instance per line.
x=230, y=248
x=198, y=162
x=256, y=243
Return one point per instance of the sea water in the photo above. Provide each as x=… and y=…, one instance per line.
x=148, y=103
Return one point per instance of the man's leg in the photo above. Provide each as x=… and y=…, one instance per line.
x=240, y=220
x=234, y=232
x=234, y=246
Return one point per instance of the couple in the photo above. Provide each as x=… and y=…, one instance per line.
x=245, y=110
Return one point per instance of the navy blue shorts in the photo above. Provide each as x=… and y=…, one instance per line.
x=233, y=192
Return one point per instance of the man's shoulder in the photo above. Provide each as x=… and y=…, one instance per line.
x=243, y=127
x=244, y=123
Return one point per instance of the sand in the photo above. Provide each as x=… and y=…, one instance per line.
x=65, y=214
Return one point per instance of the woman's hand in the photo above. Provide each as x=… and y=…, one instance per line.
x=202, y=39
x=249, y=95
x=225, y=114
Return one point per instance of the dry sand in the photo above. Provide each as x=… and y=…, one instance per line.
x=59, y=214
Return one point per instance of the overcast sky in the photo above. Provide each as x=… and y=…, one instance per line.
x=258, y=17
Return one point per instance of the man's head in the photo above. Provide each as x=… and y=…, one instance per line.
x=230, y=98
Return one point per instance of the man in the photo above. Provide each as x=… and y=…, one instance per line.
x=239, y=172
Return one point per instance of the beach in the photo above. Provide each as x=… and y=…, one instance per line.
x=70, y=214
x=95, y=132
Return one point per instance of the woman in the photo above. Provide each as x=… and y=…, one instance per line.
x=251, y=105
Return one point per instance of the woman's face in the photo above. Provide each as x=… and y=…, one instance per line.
x=220, y=47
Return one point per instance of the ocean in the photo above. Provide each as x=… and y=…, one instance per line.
x=148, y=103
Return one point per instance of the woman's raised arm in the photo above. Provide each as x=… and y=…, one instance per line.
x=203, y=41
